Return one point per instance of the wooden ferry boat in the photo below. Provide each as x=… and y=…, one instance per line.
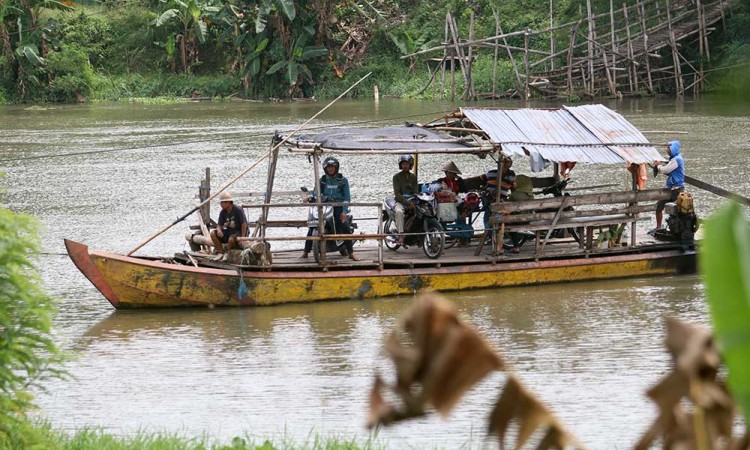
x=258, y=276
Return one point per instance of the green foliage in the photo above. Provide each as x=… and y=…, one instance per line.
x=294, y=69
x=172, y=86
x=725, y=265
x=28, y=355
x=71, y=74
x=92, y=34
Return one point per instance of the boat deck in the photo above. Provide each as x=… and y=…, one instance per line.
x=413, y=256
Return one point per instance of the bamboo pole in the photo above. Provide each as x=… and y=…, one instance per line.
x=678, y=84
x=247, y=169
x=510, y=54
x=526, y=91
x=459, y=54
x=705, y=34
x=632, y=73
x=641, y=12
x=495, y=54
x=590, y=45
x=551, y=37
x=698, y=10
x=613, y=38
x=445, y=57
x=470, y=94
x=570, y=58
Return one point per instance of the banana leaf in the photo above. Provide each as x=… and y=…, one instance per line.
x=725, y=266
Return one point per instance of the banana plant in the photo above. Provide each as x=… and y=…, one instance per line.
x=295, y=70
x=266, y=7
x=192, y=15
x=407, y=45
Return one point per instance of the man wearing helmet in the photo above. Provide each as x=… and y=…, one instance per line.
x=334, y=188
x=404, y=184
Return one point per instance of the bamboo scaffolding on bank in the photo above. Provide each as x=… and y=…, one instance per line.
x=622, y=60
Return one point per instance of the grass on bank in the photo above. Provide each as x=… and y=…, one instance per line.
x=95, y=439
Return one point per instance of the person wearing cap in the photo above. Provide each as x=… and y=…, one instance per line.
x=452, y=180
x=232, y=224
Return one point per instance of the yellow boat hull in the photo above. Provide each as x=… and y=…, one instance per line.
x=129, y=282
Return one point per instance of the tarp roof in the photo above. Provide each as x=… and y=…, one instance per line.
x=406, y=139
x=589, y=133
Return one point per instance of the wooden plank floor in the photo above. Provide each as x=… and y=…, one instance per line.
x=415, y=257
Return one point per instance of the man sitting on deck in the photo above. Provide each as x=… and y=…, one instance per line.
x=232, y=224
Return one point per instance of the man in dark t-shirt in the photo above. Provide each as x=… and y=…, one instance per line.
x=232, y=224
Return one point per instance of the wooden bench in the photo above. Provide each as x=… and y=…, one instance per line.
x=549, y=214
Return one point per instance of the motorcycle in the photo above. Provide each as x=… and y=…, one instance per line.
x=332, y=245
x=421, y=226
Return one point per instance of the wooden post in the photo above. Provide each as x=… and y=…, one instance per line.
x=269, y=190
x=322, y=244
x=723, y=18
x=613, y=38
x=498, y=235
x=678, y=85
x=641, y=12
x=634, y=186
x=632, y=70
x=205, y=192
x=380, y=241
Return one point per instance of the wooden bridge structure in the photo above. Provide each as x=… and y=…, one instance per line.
x=629, y=50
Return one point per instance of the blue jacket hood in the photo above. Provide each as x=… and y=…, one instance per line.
x=674, y=149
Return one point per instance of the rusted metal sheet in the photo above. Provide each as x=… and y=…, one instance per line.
x=589, y=134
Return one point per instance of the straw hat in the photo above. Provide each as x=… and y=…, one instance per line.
x=451, y=167
x=226, y=197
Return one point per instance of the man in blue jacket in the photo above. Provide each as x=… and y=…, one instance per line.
x=675, y=171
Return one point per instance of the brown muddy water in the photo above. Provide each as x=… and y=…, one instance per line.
x=288, y=372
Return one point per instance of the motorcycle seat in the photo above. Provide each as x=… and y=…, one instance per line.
x=390, y=202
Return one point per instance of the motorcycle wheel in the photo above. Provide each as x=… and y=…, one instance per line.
x=576, y=233
x=391, y=238
x=433, y=241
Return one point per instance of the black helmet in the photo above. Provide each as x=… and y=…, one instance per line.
x=407, y=158
x=331, y=161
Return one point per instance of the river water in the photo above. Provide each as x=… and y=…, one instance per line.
x=589, y=350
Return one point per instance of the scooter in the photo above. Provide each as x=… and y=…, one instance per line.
x=421, y=226
x=329, y=228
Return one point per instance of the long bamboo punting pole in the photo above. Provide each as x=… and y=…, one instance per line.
x=247, y=169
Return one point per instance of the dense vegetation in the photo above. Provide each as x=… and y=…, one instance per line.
x=53, y=50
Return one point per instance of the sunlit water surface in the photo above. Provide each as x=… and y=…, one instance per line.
x=589, y=350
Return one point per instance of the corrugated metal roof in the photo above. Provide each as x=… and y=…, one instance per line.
x=589, y=134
